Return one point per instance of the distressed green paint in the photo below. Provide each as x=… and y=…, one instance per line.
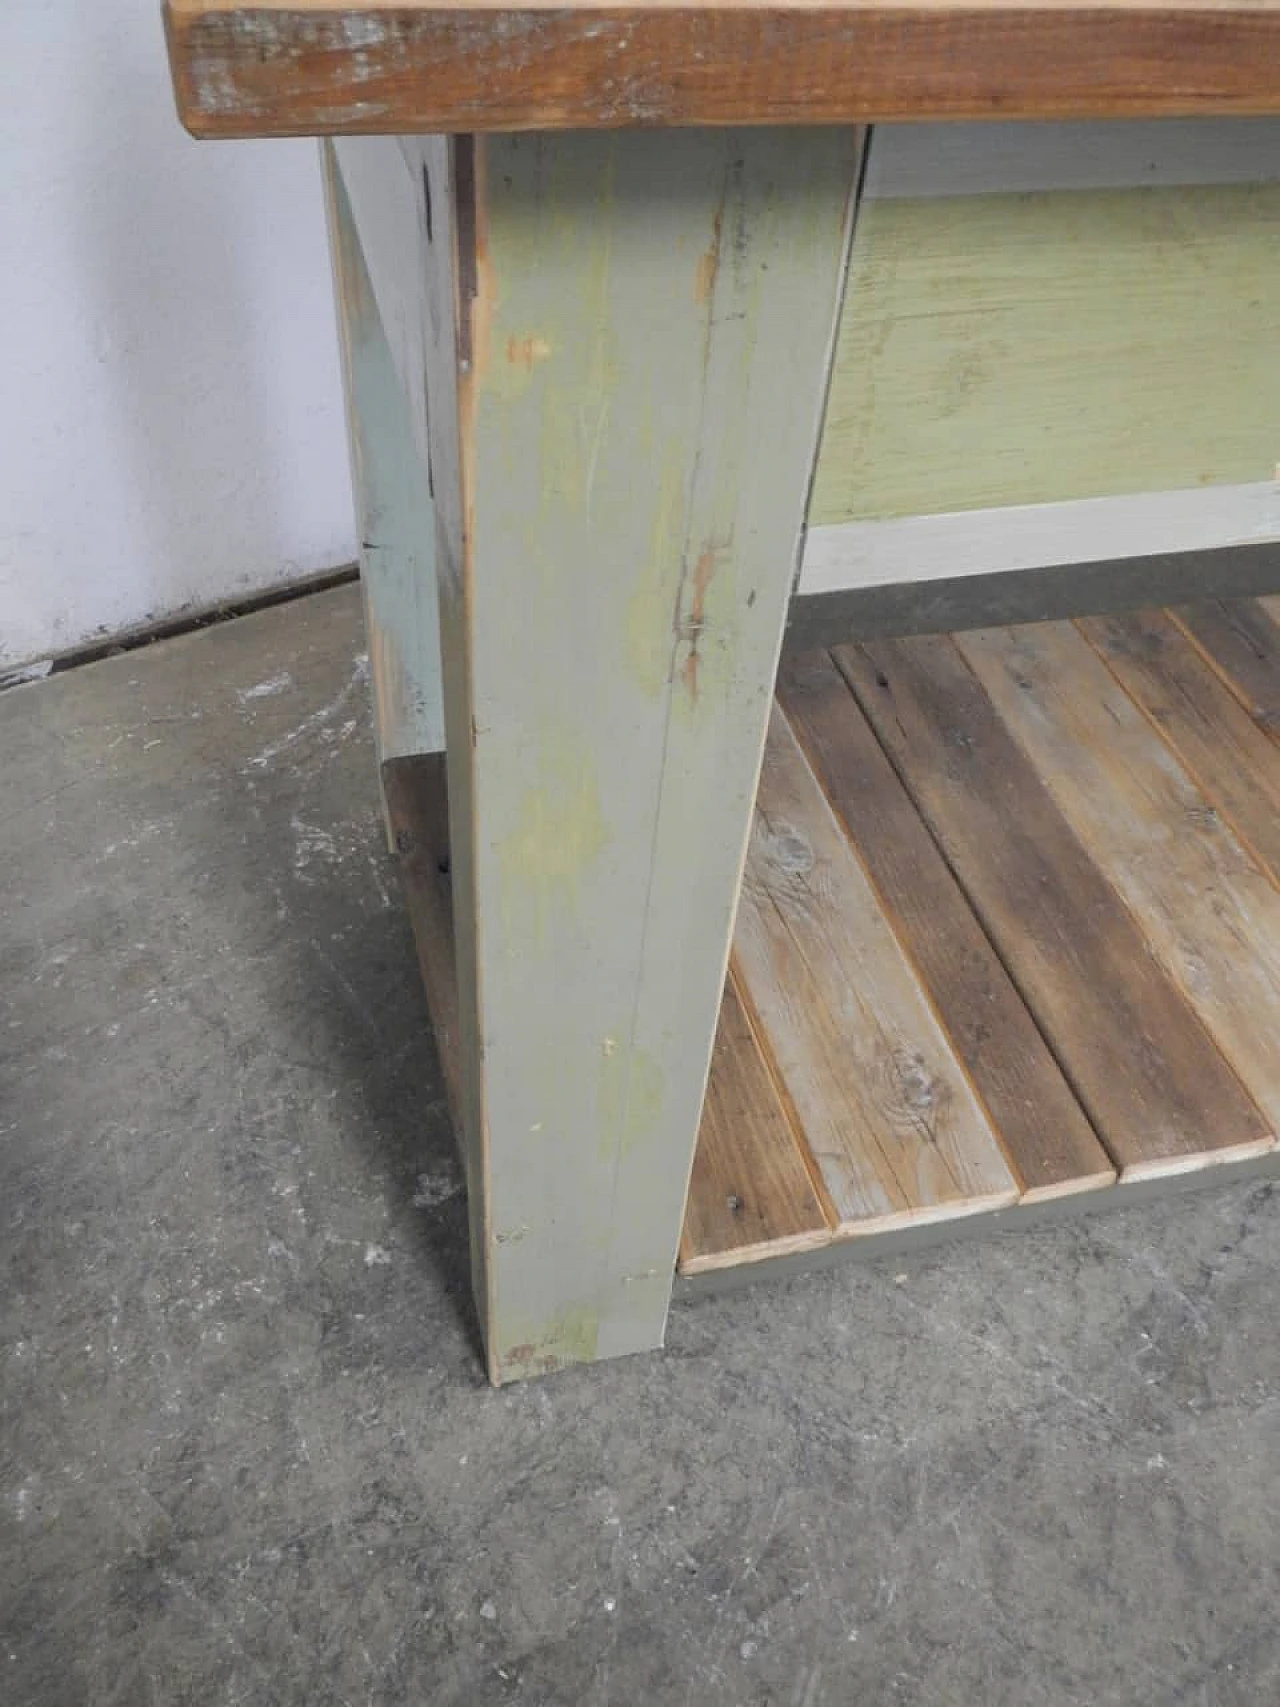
x=629, y=1096
x=1029, y=348
x=632, y=542
x=524, y=1346
x=558, y=834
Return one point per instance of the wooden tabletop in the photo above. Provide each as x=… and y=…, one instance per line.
x=302, y=67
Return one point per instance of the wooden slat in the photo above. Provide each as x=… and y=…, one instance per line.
x=1210, y=916
x=394, y=509
x=1233, y=762
x=1241, y=641
x=1155, y=1087
x=751, y=1194
x=1047, y=1139
x=886, y=1110
x=291, y=67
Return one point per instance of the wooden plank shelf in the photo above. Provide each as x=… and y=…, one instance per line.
x=1009, y=932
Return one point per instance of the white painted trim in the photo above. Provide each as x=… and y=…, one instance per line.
x=1036, y=536
x=914, y=161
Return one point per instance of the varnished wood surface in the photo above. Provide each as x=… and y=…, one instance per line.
x=302, y=67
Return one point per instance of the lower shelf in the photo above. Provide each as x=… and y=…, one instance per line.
x=1009, y=932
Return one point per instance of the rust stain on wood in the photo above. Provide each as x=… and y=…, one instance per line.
x=524, y=352
x=689, y=628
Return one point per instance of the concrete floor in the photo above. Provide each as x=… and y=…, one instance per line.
x=247, y=1454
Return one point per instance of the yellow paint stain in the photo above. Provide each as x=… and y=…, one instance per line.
x=524, y=1347
x=629, y=1093
x=524, y=352
x=558, y=835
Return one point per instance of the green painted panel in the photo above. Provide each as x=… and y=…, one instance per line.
x=1021, y=349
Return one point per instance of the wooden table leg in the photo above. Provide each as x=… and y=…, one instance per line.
x=394, y=511
x=613, y=350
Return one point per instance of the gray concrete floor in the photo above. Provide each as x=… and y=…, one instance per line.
x=247, y=1454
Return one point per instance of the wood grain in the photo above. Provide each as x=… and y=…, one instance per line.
x=1047, y=1139
x=1210, y=916
x=750, y=1194
x=301, y=67
x=1157, y=1090
x=887, y=1112
x=1233, y=763
x=416, y=792
x=394, y=509
x=603, y=320
x=1010, y=350
x=1241, y=642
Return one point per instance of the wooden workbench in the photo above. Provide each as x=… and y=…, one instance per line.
x=643, y=325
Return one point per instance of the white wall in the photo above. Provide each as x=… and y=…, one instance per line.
x=170, y=410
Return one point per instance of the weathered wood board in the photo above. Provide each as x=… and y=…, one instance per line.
x=1155, y=1087
x=394, y=510
x=602, y=321
x=886, y=1109
x=751, y=1193
x=1023, y=349
x=1231, y=759
x=296, y=67
x=1210, y=914
x=1049, y=1144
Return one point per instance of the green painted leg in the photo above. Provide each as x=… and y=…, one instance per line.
x=626, y=340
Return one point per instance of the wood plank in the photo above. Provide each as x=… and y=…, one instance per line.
x=1156, y=1089
x=607, y=317
x=394, y=509
x=1029, y=595
x=416, y=792
x=1229, y=757
x=300, y=67
x=1014, y=350
x=1134, y=528
x=887, y=1112
x=1211, y=918
x=1047, y=1140
x=750, y=1193
x=1241, y=642
x=928, y=160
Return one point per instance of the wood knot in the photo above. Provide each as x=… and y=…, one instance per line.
x=789, y=852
